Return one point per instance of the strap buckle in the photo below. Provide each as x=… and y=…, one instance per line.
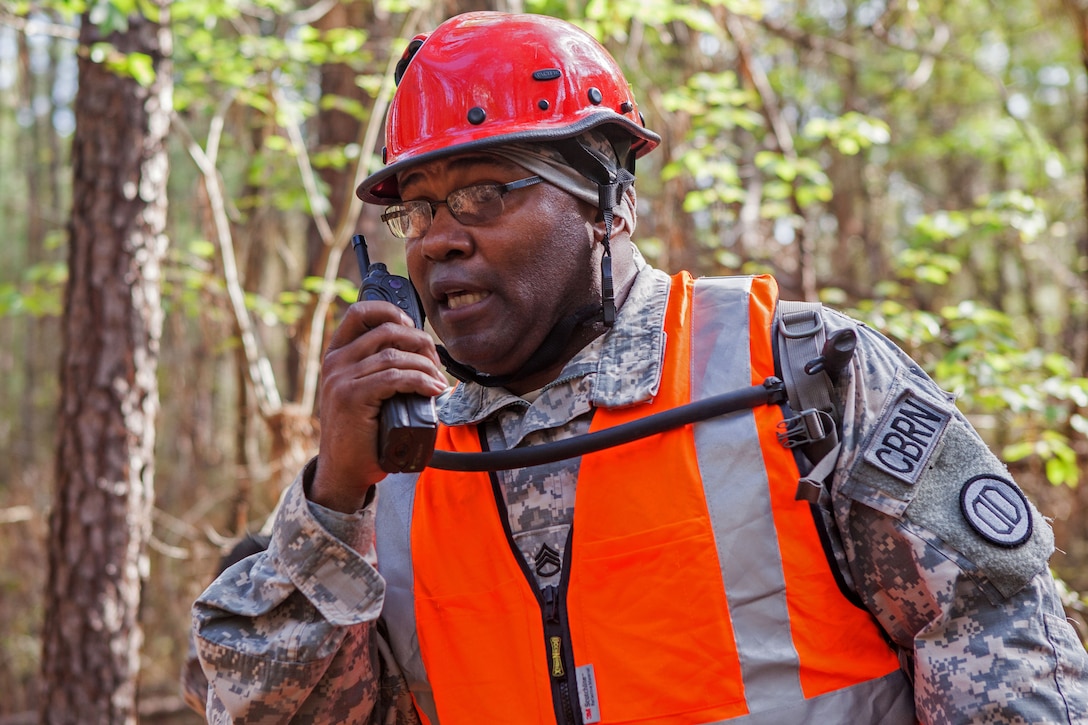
x=799, y=324
x=808, y=426
x=810, y=490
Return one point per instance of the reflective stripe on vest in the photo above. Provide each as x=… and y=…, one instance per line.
x=698, y=588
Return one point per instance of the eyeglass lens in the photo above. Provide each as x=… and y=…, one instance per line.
x=469, y=206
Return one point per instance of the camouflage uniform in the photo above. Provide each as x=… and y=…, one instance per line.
x=295, y=631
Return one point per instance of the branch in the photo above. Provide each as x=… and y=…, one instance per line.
x=16, y=514
x=753, y=71
x=168, y=550
x=783, y=136
x=305, y=16
x=33, y=26
x=810, y=41
x=310, y=15
x=306, y=171
x=335, y=245
x=921, y=74
x=260, y=369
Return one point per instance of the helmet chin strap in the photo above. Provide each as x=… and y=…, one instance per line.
x=608, y=295
x=611, y=183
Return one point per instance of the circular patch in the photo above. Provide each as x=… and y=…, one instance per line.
x=997, y=510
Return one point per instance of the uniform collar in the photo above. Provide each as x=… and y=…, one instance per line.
x=620, y=368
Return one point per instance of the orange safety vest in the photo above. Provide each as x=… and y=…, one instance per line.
x=645, y=627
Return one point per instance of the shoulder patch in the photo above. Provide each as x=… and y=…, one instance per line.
x=906, y=436
x=997, y=510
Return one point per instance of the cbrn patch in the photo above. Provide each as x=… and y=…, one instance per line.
x=906, y=436
x=997, y=510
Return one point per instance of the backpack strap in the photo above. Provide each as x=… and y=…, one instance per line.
x=810, y=363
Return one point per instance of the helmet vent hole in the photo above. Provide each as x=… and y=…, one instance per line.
x=542, y=105
x=595, y=96
x=476, y=115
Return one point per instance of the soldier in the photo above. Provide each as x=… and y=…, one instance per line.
x=684, y=577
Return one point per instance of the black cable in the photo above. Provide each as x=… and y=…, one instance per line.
x=770, y=391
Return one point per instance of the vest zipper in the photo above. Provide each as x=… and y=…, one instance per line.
x=557, y=642
x=553, y=612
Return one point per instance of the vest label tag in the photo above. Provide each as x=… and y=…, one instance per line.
x=907, y=436
x=587, y=694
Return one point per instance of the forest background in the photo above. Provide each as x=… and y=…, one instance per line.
x=917, y=163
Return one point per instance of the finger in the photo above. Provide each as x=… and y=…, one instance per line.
x=393, y=370
x=387, y=346
x=387, y=382
x=362, y=317
x=380, y=325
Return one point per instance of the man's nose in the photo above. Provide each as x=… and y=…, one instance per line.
x=446, y=237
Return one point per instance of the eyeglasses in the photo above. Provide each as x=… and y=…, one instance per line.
x=469, y=206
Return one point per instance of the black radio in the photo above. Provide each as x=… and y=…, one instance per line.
x=408, y=424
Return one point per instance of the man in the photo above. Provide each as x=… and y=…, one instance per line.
x=680, y=578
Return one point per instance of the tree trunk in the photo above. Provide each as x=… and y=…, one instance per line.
x=101, y=519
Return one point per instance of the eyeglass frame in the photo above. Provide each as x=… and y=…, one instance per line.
x=402, y=207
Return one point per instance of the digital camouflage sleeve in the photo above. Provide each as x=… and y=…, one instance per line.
x=948, y=554
x=290, y=634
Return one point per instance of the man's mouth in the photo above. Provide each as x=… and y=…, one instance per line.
x=457, y=300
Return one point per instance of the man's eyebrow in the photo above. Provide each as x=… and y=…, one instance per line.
x=459, y=163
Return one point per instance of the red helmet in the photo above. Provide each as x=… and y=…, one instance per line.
x=486, y=79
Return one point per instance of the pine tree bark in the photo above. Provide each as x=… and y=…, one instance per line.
x=101, y=518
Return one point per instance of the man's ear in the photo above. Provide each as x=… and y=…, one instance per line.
x=599, y=227
x=595, y=219
x=623, y=217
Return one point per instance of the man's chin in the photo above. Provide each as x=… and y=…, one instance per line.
x=487, y=363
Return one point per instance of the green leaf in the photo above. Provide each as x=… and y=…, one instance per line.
x=1018, y=451
x=141, y=68
x=201, y=248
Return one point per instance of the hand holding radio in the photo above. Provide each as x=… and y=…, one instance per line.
x=408, y=422
x=376, y=353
